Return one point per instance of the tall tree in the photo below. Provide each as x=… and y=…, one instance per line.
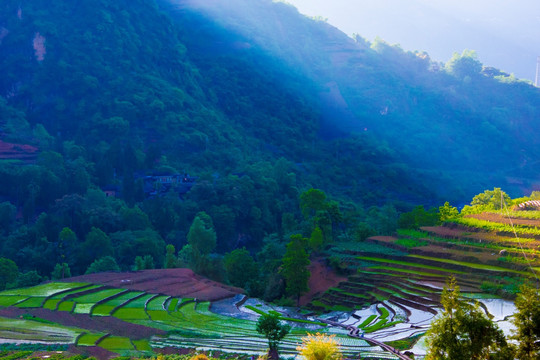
x=295, y=267
x=447, y=212
x=8, y=272
x=241, y=268
x=201, y=235
x=527, y=323
x=201, y=241
x=316, y=239
x=270, y=326
x=464, y=331
x=170, y=258
x=311, y=201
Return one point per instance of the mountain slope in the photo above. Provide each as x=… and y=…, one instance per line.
x=464, y=125
x=172, y=88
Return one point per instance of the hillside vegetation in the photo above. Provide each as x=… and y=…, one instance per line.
x=272, y=124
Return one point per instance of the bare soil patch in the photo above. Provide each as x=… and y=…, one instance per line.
x=174, y=282
x=322, y=278
x=445, y=231
x=95, y=351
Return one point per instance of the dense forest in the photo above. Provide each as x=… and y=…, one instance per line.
x=131, y=130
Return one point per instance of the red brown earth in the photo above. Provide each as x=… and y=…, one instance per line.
x=173, y=282
x=322, y=278
x=106, y=324
x=17, y=151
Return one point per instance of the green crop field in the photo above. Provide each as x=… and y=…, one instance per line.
x=44, y=290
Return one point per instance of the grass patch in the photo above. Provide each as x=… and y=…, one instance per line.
x=142, y=345
x=406, y=343
x=102, y=310
x=83, y=308
x=140, y=302
x=384, y=312
x=130, y=314
x=51, y=304
x=382, y=324
x=66, y=306
x=368, y=321
x=94, y=297
x=89, y=339
x=156, y=303
x=410, y=243
x=253, y=308
x=160, y=315
x=115, y=343
x=172, y=304
x=31, y=302
x=10, y=300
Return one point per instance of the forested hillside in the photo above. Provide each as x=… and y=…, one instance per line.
x=103, y=102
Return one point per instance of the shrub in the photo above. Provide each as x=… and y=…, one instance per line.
x=320, y=347
x=199, y=357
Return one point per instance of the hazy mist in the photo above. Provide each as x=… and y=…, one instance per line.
x=505, y=34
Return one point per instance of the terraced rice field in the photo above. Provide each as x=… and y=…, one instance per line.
x=408, y=271
x=392, y=293
x=168, y=321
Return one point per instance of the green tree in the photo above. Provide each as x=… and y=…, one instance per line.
x=8, y=272
x=311, y=201
x=463, y=331
x=240, y=267
x=134, y=218
x=464, y=65
x=144, y=262
x=106, y=263
x=202, y=240
x=61, y=271
x=67, y=245
x=29, y=278
x=201, y=235
x=295, y=267
x=316, y=239
x=170, y=258
x=270, y=326
x=97, y=245
x=527, y=323
x=447, y=212
x=418, y=217
x=7, y=217
x=495, y=199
